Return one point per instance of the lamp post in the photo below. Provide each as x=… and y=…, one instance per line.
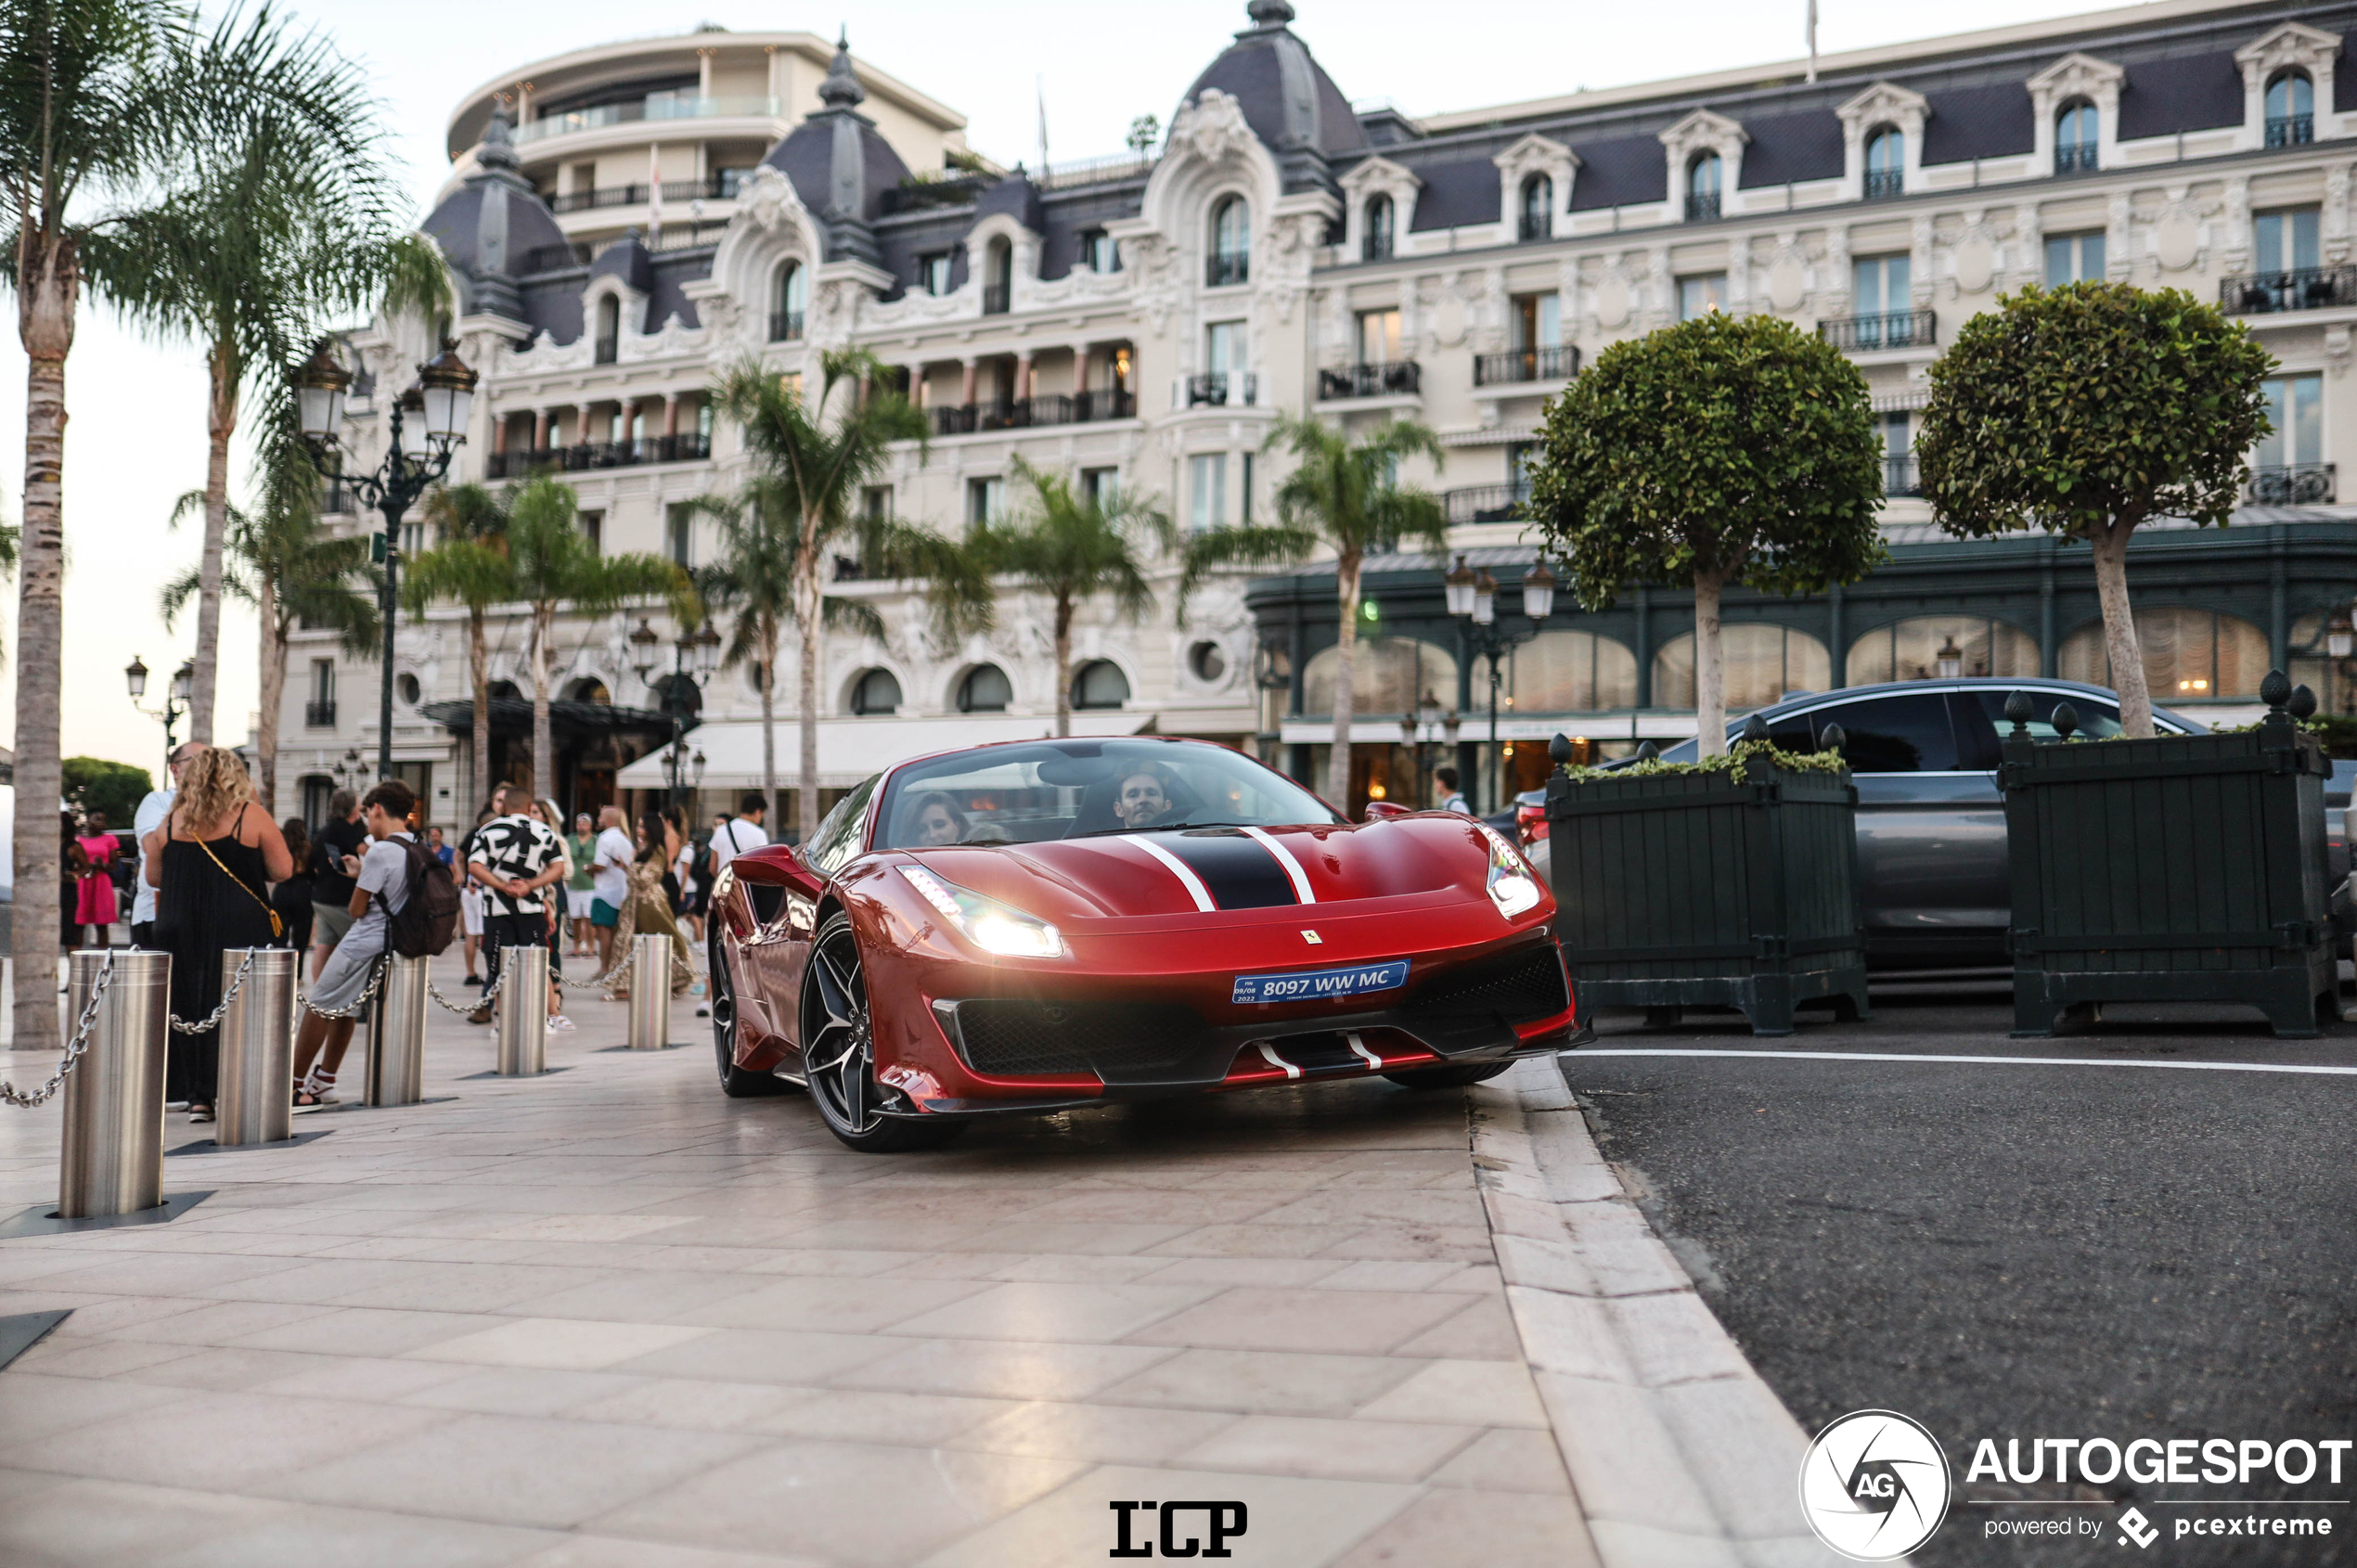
x=1473, y=599
x=175, y=699
x=1271, y=673
x=695, y=654
x=441, y=400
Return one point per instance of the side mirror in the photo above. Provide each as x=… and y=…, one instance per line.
x=1378, y=811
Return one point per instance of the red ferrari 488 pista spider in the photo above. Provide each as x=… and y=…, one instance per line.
x=1040, y=925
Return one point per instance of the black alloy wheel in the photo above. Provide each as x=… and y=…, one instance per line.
x=838, y=1052
x=736, y=1083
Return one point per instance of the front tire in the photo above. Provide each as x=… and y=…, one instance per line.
x=1454, y=1077
x=736, y=1083
x=838, y=1052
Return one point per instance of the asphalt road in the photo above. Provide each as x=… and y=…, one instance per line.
x=2004, y=1251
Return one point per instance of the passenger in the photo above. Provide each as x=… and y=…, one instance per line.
x=939, y=822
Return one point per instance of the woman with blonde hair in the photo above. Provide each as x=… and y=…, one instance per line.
x=648, y=912
x=546, y=810
x=211, y=861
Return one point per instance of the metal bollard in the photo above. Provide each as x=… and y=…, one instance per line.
x=397, y=1035
x=649, y=993
x=113, y=1157
x=256, y=1103
x=524, y=1011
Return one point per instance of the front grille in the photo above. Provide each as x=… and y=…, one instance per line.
x=1113, y=1039
x=1520, y=987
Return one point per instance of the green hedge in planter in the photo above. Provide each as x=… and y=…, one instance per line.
x=1731, y=882
x=2180, y=869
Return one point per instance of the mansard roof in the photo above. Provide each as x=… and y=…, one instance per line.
x=490, y=226
x=1287, y=96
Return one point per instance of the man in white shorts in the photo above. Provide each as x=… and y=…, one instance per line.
x=469, y=895
x=381, y=887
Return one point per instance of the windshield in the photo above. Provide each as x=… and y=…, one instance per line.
x=1076, y=789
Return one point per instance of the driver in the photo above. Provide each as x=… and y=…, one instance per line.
x=939, y=822
x=1141, y=802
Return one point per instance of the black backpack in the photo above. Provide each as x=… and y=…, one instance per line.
x=425, y=921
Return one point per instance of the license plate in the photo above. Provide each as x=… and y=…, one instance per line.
x=1314, y=985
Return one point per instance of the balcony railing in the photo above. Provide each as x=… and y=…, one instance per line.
x=338, y=499
x=1536, y=225
x=516, y=462
x=1390, y=377
x=1025, y=413
x=995, y=298
x=1214, y=388
x=1221, y=271
x=1889, y=329
x=2290, y=129
x=1899, y=475
x=2265, y=293
x=2292, y=484
x=1525, y=364
x=1486, y=503
x=718, y=188
x=1702, y=206
x=654, y=106
x=785, y=325
x=317, y=715
x=1881, y=183
x=2077, y=157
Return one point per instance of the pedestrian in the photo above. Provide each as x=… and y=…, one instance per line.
x=145, y=820
x=580, y=850
x=732, y=838
x=699, y=881
x=95, y=901
x=73, y=865
x=211, y=862
x=442, y=852
x=609, y=866
x=292, y=897
x=681, y=885
x=1451, y=798
x=557, y=900
x=470, y=896
x=335, y=860
x=648, y=912
x=514, y=857
x=382, y=888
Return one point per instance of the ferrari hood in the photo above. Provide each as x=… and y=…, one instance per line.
x=1209, y=870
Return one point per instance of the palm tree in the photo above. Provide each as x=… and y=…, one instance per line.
x=1345, y=496
x=821, y=454
x=296, y=575
x=552, y=563
x=91, y=130
x=468, y=565
x=291, y=222
x=1072, y=547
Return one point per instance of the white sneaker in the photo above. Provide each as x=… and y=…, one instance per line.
x=559, y=1024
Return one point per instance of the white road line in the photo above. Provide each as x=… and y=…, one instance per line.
x=2318, y=1071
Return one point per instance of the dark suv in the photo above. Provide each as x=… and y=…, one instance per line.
x=1931, y=820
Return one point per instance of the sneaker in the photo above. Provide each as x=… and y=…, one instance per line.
x=322, y=1088
x=474, y=980
x=559, y=1024
x=480, y=1014
x=703, y=1013
x=201, y=1113
x=175, y=1105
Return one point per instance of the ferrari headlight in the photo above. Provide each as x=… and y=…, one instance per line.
x=988, y=924
x=1512, y=886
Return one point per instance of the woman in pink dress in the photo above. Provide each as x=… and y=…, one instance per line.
x=95, y=903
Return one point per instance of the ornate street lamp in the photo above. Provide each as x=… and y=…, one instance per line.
x=175, y=697
x=695, y=655
x=1473, y=599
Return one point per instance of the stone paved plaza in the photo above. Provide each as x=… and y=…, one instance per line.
x=609, y=1317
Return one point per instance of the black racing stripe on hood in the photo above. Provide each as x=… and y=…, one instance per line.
x=1238, y=872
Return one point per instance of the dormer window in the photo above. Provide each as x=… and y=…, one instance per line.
x=1538, y=208
x=1702, y=188
x=788, y=298
x=1886, y=164
x=1099, y=251
x=1375, y=239
x=997, y=279
x=609, y=331
x=1231, y=260
x=2291, y=109
x=933, y=272
x=2075, y=131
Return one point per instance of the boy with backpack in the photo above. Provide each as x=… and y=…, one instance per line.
x=404, y=901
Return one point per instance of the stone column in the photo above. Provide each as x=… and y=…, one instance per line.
x=966, y=387
x=1023, y=375
x=670, y=414
x=543, y=426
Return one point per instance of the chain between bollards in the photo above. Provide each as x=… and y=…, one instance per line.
x=462, y=1009
x=75, y=1048
x=228, y=996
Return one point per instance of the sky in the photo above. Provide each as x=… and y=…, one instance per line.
x=134, y=441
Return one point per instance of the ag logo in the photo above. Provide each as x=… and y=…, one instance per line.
x=1874, y=1486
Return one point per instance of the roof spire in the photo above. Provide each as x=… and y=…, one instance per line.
x=498, y=149
x=841, y=89
x=1269, y=15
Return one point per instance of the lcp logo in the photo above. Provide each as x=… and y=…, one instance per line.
x=1874, y=1486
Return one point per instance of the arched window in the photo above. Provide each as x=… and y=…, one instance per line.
x=1940, y=647
x=2291, y=109
x=997, y=279
x=1230, y=242
x=789, y=296
x=609, y=330
x=1374, y=240
x=2190, y=655
x=1538, y=208
x=589, y=688
x=1388, y=677
x=985, y=689
x=1702, y=190
x=503, y=691
x=1571, y=673
x=1885, y=162
x=1763, y=662
x=1099, y=684
x=2076, y=129
x=875, y=693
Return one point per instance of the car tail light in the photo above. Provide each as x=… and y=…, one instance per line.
x=1531, y=821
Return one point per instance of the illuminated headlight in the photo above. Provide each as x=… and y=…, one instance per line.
x=1512, y=886
x=988, y=924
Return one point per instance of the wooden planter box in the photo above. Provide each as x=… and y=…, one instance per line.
x=1702, y=890
x=2183, y=869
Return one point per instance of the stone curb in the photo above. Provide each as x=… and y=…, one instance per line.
x=1680, y=1455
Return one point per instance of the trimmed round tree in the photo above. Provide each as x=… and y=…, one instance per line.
x=1724, y=450
x=2083, y=411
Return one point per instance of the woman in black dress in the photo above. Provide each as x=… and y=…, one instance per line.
x=291, y=897
x=211, y=862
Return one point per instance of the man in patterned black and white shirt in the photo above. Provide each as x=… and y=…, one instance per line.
x=512, y=858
